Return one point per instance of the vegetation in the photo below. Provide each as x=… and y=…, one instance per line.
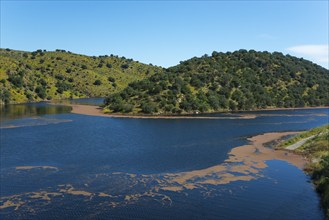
x=242, y=80
x=317, y=150
x=41, y=75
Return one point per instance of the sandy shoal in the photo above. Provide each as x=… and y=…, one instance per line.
x=97, y=111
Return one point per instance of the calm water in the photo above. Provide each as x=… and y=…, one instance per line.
x=58, y=165
x=83, y=101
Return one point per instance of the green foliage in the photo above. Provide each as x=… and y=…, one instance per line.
x=149, y=108
x=41, y=92
x=16, y=80
x=111, y=79
x=62, y=86
x=4, y=96
x=62, y=74
x=242, y=80
x=303, y=135
x=97, y=82
x=124, y=66
x=321, y=180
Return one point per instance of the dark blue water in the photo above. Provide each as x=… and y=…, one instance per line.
x=129, y=160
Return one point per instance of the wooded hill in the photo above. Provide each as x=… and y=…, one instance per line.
x=41, y=75
x=242, y=80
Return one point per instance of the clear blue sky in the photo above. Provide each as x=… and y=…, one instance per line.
x=164, y=33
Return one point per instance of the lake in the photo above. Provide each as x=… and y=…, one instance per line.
x=59, y=165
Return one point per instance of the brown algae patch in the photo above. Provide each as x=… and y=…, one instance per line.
x=24, y=200
x=44, y=195
x=101, y=194
x=244, y=164
x=9, y=203
x=255, y=154
x=70, y=190
x=27, y=200
x=35, y=167
x=173, y=188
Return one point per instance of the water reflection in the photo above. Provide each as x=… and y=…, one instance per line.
x=10, y=112
x=82, y=101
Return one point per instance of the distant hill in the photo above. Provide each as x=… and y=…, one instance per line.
x=41, y=75
x=241, y=80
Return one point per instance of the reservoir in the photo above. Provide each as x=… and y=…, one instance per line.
x=60, y=165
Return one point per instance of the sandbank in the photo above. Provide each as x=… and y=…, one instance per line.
x=97, y=111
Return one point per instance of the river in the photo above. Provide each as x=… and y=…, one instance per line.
x=59, y=165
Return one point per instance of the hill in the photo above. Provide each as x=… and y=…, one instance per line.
x=242, y=80
x=60, y=74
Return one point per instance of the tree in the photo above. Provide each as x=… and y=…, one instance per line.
x=124, y=66
x=5, y=96
x=97, y=82
x=232, y=105
x=16, y=80
x=41, y=92
x=149, y=107
x=111, y=79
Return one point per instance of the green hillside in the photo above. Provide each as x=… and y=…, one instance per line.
x=41, y=75
x=242, y=80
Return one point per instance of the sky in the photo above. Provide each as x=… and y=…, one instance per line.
x=166, y=32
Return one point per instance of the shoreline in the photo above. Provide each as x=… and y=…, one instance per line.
x=93, y=110
x=276, y=109
x=97, y=111
x=243, y=163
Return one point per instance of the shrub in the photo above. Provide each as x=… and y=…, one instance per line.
x=149, y=108
x=124, y=66
x=111, y=79
x=97, y=82
x=41, y=92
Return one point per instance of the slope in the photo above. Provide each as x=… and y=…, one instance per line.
x=242, y=80
x=60, y=74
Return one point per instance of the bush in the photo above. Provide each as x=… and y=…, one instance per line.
x=126, y=108
x=97, y=82
x=16, y=80
x=41, y=92
x=5, y=96
x=62, y=86
x=111, y=79
x=149, y=108
x=124, y=66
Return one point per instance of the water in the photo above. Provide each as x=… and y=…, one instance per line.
x=57, y=165
x=83, y=101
